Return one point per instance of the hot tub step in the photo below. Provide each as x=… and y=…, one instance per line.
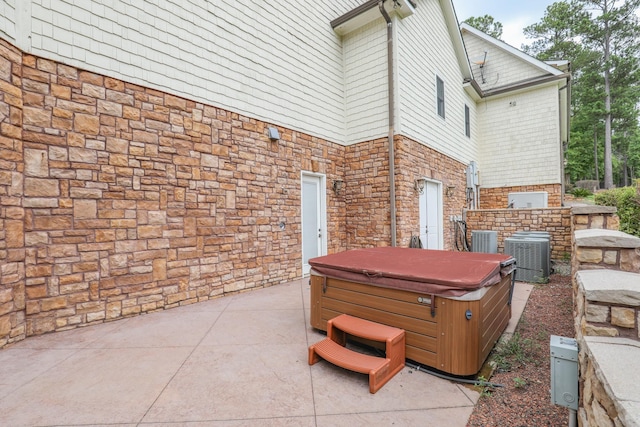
x=379, y=369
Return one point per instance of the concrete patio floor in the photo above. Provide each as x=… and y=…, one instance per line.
x=239, y=360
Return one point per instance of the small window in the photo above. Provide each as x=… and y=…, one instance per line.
x=467, y=121
x=440, y=96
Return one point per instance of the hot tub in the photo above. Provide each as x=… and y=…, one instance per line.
x=453, y=306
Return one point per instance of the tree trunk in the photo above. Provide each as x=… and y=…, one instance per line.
x=608, y=165
x=595, y=154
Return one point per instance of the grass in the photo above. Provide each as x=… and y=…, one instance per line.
x=515, y=351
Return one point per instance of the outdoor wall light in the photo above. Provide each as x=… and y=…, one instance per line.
x=337, y=185
x=419, y=184
x=273, y=133
x=450, y=190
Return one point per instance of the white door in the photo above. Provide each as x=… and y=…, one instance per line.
x=314, y=242
x=431, y=233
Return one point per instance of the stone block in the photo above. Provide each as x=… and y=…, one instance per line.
x=82, y=155
x=36, y=117
x=93, y=91
x=87, y=124
x=623, y=317
x=597, y=313
x=109, y=108
x=54, y=303
x=40, y=202
x=84, y=209
x=611, y=257
x=38, y=187
x=58, y=222
x=36, y=163
x=5, y=326
x=630, y=260
x=14, y=233
x=599, y=331
x=589, y=255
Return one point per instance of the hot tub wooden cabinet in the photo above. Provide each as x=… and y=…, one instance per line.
x=453, y=306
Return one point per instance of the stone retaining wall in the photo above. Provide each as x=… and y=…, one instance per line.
x=498, y=198
x=556, y=221
x=606, y=266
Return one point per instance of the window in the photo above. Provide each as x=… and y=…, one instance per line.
x=467, y=121
x=440, y=96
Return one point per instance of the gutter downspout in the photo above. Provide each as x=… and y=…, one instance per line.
x=566, y=87
x=392, y=169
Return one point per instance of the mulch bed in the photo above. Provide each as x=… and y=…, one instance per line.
x=523, y=363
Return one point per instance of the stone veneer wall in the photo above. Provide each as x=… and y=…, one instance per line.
x=415, y=160
x=366, y=194
x=118, y=199
x=556, y=221
x=367, y=191
x=12, y=250
x=606, y=267
x=498, y=198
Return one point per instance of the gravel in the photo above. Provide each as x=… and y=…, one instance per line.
x=522, y=364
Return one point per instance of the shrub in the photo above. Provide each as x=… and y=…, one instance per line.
x=588, y=184
x=581, y=192
x=627, y=201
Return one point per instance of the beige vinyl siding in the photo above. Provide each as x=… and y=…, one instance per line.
x=8, y=20
x=278, y=61
x=501, y=68
x=424, y=51
x=519, y=139
x=366, y=85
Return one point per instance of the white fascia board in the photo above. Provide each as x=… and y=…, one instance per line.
x=369, y=12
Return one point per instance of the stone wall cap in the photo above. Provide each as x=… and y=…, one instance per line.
x=600, y=238
x=610, y=286
x=617, y=365
x=593, y=209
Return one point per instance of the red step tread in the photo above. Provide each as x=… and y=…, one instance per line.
x=366, y=329
x=348, y=359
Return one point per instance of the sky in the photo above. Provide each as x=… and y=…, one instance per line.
x=513, y=14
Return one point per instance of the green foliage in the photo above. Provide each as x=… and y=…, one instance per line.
x=519, y=382
x=483, y=386
x=600, y=39
x=581, y=192
x=487, y=24
x=517, y=350
x=627, y=202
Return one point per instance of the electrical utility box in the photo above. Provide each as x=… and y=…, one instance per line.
x=564, y=372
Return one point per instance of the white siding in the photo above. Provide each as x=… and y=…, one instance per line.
x=8, y=20
x=278, y=61
x=520, y=142
x=501, y=68
x=366, y=85
x=425, y=50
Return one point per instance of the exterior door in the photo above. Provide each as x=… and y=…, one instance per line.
x=314, y=241
x=431, y=233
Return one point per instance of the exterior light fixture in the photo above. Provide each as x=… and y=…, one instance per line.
x=273, y=133
x=419, y=184
x=337, y=185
